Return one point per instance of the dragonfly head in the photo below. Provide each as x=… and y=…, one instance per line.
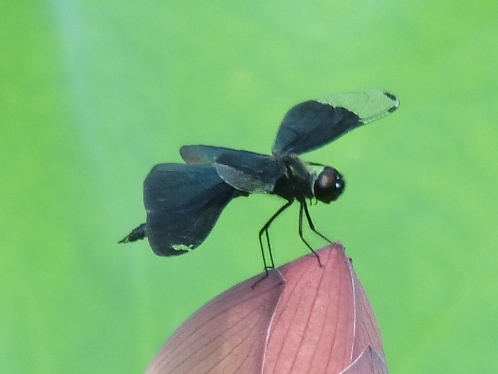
x=328, y=185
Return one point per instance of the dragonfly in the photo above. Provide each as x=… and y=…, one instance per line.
x=183, y=201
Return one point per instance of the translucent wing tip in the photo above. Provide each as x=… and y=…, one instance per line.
x=395, y=101
x=368, y=105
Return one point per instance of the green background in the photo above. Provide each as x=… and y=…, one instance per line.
x=92, y=94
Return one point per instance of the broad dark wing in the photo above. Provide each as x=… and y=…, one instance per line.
x=312, y=124
x=183, y=202
x=243, y=170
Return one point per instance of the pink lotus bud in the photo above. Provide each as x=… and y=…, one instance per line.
x=301, y=319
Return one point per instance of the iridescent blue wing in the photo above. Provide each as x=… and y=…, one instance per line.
x=314, y=123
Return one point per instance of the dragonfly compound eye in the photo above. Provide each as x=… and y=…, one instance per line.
x=328, y=185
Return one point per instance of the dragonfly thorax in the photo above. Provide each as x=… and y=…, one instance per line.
x=303, y=180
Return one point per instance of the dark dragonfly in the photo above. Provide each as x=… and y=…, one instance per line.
x=183, y=201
